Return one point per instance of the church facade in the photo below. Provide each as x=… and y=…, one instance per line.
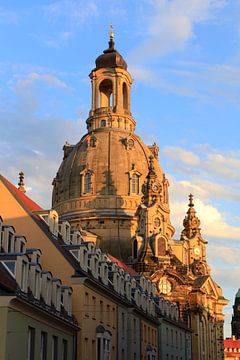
x=112, y=185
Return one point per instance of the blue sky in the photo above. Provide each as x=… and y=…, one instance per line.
x=184, y=56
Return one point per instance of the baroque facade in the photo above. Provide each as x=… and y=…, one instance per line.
x=112, y=185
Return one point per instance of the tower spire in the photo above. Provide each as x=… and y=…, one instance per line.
x=191, y=223
x=21, y=182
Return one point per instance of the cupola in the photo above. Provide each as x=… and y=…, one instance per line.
x=111, y=86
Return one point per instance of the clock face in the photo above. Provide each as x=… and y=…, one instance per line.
x=155, y=187
x=164, y=286
x=197, y=251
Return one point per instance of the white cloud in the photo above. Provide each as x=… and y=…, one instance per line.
x=213, y=223
x=182, y=155
x=170, y=25
x=48, y=79
x=218, y=165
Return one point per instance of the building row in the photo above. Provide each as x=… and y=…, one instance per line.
x=63, y=298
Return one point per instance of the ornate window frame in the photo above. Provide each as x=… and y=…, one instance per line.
x=133, y=174
x=83, y=174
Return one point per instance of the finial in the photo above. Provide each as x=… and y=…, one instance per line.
x=111, y=37
x=21, y=182
x=191, y=204
x=111, y=33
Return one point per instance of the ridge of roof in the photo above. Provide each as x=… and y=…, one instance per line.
x=20, y=196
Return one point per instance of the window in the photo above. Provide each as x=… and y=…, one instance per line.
x=88, y=182
x=101, y=311
x=54, y=348
x=103, y=123
x=10, y=242
x=105, y=92
x=135, y=184
x=24, y=275
x=11, y=266
x=114, y=322
x=43, y=350
x=103, y=343
x=31, y=343
x=98, y=348
x=94, y=307
x=108, y=314
x=48, y=291
x=36, y=285
x=125, y=96
x=65, y=349
x=86, y=304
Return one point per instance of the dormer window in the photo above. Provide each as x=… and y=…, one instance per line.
x=11, y=266
x=37, y=279
x=48, y=291
x=24, y=276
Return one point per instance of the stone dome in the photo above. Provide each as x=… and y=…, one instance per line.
x=111, y=157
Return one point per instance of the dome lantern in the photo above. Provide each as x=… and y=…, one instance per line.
x=111, y=86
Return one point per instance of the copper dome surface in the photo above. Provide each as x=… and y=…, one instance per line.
x=110, y=58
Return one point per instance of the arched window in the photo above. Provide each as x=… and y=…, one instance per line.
x=103, y=123
x=135, y=184
x=88, y=182
x=124, y=96
x=105, y=93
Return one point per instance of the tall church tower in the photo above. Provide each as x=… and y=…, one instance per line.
x=103, y=178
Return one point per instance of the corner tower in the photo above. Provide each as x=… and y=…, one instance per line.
x=100, y=183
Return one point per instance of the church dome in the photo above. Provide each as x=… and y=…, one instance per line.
x=110, y=59
x=100, y=183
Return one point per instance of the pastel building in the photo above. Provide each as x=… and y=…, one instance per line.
x=35, y=307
